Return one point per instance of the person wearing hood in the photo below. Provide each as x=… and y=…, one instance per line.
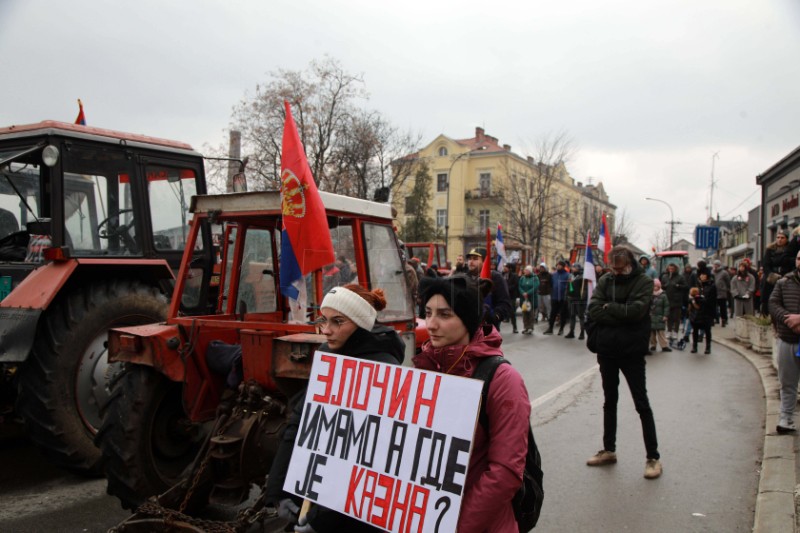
x=644, y=261
x=459, y=341
x=347, y=319
x=619, y=315
x=659, y=311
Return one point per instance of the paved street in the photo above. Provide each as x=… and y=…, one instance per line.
x=709, y=412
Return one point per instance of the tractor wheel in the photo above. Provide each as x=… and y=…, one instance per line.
x=63, y=384
x=146, y=439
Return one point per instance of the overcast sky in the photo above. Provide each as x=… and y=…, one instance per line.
x=648, y=91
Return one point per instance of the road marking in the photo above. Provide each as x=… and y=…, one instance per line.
x=541, y=400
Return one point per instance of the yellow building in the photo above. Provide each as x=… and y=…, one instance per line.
x=477, y=183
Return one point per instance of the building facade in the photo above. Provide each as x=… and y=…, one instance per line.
x=780, y=198
x=477, y=183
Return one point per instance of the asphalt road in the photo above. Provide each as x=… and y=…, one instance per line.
x=709, y=412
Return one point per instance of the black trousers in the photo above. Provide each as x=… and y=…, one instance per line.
x=722, y=309
x=633, y=368
x=560, y=308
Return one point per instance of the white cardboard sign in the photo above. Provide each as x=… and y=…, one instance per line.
x=386, y=444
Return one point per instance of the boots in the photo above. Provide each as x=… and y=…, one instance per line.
x=694, y=347
x=581, y=336
x=570, y=335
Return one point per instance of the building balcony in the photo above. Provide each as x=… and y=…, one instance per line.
x=481, y=194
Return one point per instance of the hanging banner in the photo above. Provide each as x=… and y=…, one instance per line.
x=386, y=444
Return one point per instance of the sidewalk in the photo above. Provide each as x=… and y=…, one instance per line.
x=775, y=502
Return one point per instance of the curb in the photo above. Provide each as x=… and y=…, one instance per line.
x=775, y=506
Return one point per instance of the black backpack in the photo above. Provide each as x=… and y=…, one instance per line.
x=527, y=502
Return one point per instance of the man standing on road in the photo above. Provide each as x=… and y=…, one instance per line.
x=723, y=282
x=784, y=306
x=497, y=306
x=674, y=285
x=558, y=299
x=619, y=333
x=545, y=288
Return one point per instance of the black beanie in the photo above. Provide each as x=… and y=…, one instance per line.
x=461, y=293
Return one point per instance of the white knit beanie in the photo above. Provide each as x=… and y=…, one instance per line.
x=352, y=306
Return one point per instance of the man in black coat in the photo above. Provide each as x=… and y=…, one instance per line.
x=497, y=306
x=512, y=282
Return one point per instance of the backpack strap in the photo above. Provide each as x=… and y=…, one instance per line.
x=485, y=372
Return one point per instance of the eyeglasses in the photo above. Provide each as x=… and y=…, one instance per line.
x=332, y=324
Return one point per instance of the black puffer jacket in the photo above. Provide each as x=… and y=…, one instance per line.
x=619, y=314
x=703, y=308
x=383, y=345
x=785, y=300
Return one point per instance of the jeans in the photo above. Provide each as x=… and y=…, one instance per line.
x=788, y=375
x=633, y=370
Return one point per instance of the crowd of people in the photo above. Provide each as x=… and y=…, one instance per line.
x=632, y=312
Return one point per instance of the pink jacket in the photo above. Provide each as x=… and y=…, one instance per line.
x=495, y=467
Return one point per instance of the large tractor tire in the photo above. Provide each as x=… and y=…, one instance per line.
x=146, y=439
x=63, y=384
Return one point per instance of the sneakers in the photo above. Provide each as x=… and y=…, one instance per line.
x=603, y=457
x=652, y=469
x=786, y=425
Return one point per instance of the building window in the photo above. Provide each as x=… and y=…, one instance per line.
x=441, y=182
x=442, y=151
x=485, y=182
x=441, y=218
x=410, y=205
x=483, y=216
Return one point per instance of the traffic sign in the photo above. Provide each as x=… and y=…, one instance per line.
x=706, y=237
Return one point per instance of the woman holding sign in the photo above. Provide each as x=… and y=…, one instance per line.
x=347, y=320
x=459, y=341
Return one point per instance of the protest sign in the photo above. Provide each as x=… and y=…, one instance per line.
x=386, y=444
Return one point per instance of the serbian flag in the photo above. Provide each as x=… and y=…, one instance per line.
x=305, y=238
x=604, y=242
x=81, y=119
x=486, y=269
x=589, y=275
x=501, y=248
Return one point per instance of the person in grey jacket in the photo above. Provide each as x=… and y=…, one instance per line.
x=784, y=307
x=722, y=280
x=743, y=287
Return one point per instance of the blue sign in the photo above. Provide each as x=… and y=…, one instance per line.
x=706, y=237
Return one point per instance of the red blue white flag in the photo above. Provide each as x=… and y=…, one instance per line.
x=604, y=242
x=589, y=275
x=501, y=248
x=305, y=238
x=81, y=118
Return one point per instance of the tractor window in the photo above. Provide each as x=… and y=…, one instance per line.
x=344, y=269
x=99, y=210
x=420, y=252
x=257, y=274
x=14, y=213
x=386, y=272
x=170, y=190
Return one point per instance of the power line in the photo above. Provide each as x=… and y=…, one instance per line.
x=740, y=203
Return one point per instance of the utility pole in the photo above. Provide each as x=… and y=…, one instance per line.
x=711, y=195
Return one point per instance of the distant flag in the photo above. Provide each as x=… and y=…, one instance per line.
x=81, y=119
x=589, y=275
x=486, y=269
x=604, y=242
x=501, y=248
x=305, y=238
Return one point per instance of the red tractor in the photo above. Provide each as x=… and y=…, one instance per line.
x=430, y=253
x=212, y=391
x=92, y=224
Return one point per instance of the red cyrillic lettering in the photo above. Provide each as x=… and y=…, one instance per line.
x=327, y=379
x=430, y=403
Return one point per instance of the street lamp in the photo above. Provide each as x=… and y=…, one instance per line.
x=671, y=220
x=447, y=200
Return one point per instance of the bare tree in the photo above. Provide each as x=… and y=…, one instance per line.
x=624, y=228
x=660, y=239
x=349, y=148
x=527, y=195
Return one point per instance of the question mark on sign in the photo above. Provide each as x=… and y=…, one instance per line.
x=446, y=501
